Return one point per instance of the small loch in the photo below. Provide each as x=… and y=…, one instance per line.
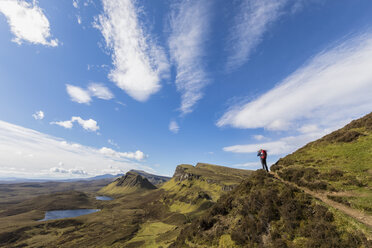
x=104, y=198
x=61, y=214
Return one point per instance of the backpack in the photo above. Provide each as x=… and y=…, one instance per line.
x=263, y=154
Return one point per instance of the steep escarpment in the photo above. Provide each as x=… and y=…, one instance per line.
x=264, y=212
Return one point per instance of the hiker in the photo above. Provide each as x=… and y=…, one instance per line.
x=263, y=155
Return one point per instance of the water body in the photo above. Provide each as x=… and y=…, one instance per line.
x=104, y=198
x=61, y=214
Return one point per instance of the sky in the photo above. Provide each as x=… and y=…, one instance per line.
x=89, y=87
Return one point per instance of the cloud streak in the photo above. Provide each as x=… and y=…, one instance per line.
x=137, y=155
x=327, y=92
x=139, y=64
x=80, y=95
x=189, y=22
x=27, y=22
x=250, y=25
x=28, y=153
x=173, y=127
x=333, y=87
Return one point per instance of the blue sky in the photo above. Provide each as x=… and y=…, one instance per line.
x=89, y=87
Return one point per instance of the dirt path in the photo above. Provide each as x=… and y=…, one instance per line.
x=354, y=213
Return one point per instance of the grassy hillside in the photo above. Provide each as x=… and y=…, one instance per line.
x=193, y=189
x=264, y=212
x=339, y=163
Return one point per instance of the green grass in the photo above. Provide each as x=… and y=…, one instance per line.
x=343, y=166
x=150, y=232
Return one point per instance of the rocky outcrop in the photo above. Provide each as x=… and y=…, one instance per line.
x=182, y=173
x=228, y=187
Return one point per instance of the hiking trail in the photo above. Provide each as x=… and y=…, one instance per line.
x=354, y=213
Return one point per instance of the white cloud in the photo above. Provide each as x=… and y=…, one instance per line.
x=332, y=88
x=27, y=22
x=250, y=25
x=173, y=127
x=281, y=146
x=89, y=125
x=258, y=137
x=75, y=3
x=113, y=143
x=17, y=143
x=78, y=18
x=248, y=164
x=189, y=23
x=39, y=115
x=137, y=155
x=58, y=170
x=100, y=91
x=65, y=124
x=78, y=94
x=308, y=128
x=139, y=64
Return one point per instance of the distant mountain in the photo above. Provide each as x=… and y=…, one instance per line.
x=128, y=183
x=104, y=176
x=154, y=179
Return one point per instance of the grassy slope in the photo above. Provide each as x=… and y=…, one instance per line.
x=264, y=212
x=204, y=185
x=339, y=163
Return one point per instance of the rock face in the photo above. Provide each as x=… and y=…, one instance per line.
x=182, y=173
x=228, y=187
x=154, y=179
x=132, y=179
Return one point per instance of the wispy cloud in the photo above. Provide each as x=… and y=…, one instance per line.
x=331, y=89
x=100, y=91
x=281, y=146
x=73, y=171
x=189, y=22
x=139, y=64
x=89, y=125
x=38, y=115
x=173, y=127
x=80, y=95
x=28, y=153
x=250, y=25
x=27, y=22
x=334, y=86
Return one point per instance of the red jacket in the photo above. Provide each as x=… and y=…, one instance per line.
x=263, y=154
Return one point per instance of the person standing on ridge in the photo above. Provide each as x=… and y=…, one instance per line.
x=263, y=155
